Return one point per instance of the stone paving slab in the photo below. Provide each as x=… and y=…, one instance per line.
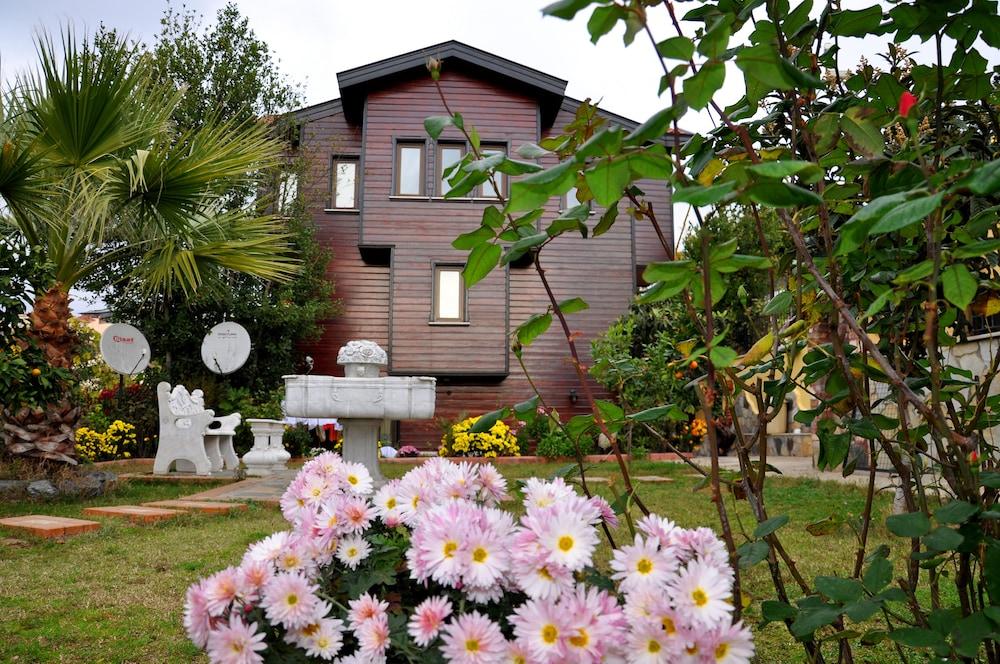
x=134, y=513
x=265, y=490
x=198, y=506
x=49, y=526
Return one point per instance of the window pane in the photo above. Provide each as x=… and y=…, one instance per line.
x=410, y=158
x=571, y=200
x=288, y=190
x=449, y=157
x=347, y=172
x=449, y=292
x=488, y=190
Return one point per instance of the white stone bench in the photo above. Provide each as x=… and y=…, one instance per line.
x=192, y=439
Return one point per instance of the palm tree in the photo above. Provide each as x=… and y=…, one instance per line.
x=92, y=170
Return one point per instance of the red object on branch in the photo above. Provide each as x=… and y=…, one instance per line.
x=907, y=100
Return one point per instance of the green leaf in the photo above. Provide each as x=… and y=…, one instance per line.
x=985, y=180
x=532, y=151
x=921, y=270
x=651, y=414
x=839, y=589
x=779, y=304
x=533, y=328
x=606, y=141
x=653, y=128
x=482, y=259
x=878, y=575
x=955, y=511
x=435, y=124
x=699, y=89
x=611, y=413
x=782, y=169
x=859, y=23
x=914, y=524
x=566, y=9
x=976, y=249
x=861, y=610
x=602, y=20
x=492, y=217
x=775, y=611
x=855, y=230
x=782, y=195
x=669, y=271
x=676, y=48
x=811, y=619
x=762, y=63
x=959, y=285
x=723, y=356
x=473, y=238
x=907, y=213
x=752, y=553
x=862, y=134
x=523, y=245
x=607, y=220
x=943, y=538
x=765, y=528
x=573, y=305
x=486, y=422
x=916, y=637
x=533, y=191
x=526, y=408
x=608, y=179
x=509, y=166
x=699, y=196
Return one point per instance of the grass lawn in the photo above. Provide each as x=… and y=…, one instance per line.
x=116, y=595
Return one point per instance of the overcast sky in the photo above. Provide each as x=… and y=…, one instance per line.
x=314, y=39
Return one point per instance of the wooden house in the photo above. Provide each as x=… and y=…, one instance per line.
x=373, y=184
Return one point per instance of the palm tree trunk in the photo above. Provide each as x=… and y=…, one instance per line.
x=48, y=432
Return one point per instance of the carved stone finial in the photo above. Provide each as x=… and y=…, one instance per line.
x=362, y=358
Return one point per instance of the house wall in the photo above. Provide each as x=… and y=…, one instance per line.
x=391, y=305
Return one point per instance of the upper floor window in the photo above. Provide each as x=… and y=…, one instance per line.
x=345, y=183
x=569, y=199
x=486, y=190
x=288, y=192
x=449, y=302
x=449, y=154
x=410, y=174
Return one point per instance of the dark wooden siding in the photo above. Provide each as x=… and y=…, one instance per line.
x=476, y=371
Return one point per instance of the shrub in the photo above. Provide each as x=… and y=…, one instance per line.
x=556, y=444
x=498, y=441
x=298, y=440
x=376, y=588
x=135, y=404
x=408, y=451
x=118, y=441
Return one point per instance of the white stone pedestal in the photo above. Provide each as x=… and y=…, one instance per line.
x=268, y=454
x=361, y=445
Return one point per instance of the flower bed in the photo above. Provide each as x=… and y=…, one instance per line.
x=429, y=568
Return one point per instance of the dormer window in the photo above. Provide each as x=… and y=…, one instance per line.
x=345, y=184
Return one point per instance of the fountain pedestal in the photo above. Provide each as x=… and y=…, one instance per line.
x=361, y=400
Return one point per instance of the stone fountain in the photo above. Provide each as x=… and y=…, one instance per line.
x=361, y=400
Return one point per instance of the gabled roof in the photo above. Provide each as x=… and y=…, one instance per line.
x=355, y=84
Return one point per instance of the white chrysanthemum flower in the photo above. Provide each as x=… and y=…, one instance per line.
x=352, y=550
x=700, y=595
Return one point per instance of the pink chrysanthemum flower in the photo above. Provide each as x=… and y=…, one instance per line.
x=540, y=579
x=567, y=539
x=352, y=550
x=236, y=643
x=473, y=638
x=642, y=565
x=356, y=515
x=251, y=577
x=603, y=508
x=269, y=548
x=373, y=637
x=542, y=627
x=365, y=608
x=648, y=643
x=492, y=485
x=197, y=619
x=290, y=599
x=427, y=619
x=700, y=593
x=660, y=529
x=730, y=644
x=220, y=590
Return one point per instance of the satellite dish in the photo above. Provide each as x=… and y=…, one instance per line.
x=226, y=348
x=125, y=349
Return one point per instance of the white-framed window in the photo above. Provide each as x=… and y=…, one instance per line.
x=345, y=184
x=449, y=303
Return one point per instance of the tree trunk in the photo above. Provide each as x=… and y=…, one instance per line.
x=47, y=432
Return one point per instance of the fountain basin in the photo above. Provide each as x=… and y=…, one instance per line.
x=388, y=397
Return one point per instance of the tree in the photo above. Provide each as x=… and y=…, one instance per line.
x=886, y=184
x=229, y=72
x=92, y=169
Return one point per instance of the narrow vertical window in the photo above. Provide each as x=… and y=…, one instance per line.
x=345, y=184
x=487, y=190
x=410, y=169
x=449, y=304
x=570, y=200
x=449, y=154
x=288, y=192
